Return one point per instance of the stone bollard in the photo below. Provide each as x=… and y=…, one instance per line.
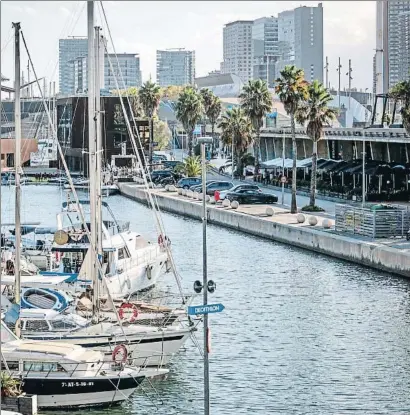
x=195, y=195
x=172, y=188
x=183, y=193
x=190, y=194
x=212, y=200
x=327, y=224
x=235, y=204
x=200, y=196
x=270, y=211
x=180, y=190
x=207, y=198
x=151, y=185
x=167, y=187
x=226, y=203
x=300, y=218
x=312, y=220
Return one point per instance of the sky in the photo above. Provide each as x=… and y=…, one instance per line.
x=145, y=26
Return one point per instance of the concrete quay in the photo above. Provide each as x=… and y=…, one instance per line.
x=284, y=227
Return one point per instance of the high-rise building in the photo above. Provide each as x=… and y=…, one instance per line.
x=392, y=47
x=126, y=70
x=175, y=67
x=404, y=46
x=69, y=50
x=309, y=41
x=286, y=32
x=265, y=48
x=237, y=49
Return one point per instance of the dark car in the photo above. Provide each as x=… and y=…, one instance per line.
x=158, y=175
x=219, y=186
x=187, y=182
x=249, y=196
x=221, y=195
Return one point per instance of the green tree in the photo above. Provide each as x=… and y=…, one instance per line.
x=291, y=88
x=212, y=108
x=236, y=126
x=317, y=114
x=401, y=92
x=191, y=166
x=256, y=101
x=149, y=96
x=189, y=110
x=162, y=134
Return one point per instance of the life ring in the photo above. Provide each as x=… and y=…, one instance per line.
x=125, y=306
x=118, y=350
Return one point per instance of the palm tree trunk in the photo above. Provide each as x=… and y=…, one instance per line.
x=258, y=150
x=313, y=177
x=213, y=138
x=293, y=206
x=190, y=139
x=151, y=141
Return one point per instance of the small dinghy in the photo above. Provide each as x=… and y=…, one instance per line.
x=45, y=298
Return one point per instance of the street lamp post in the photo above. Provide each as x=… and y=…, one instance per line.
x=203, y=141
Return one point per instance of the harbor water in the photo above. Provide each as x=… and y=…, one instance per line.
x=300, y=334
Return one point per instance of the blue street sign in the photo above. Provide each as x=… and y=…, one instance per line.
x=205, y=309
x=155, y=143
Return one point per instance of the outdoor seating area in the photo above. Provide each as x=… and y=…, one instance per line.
x=385, y=182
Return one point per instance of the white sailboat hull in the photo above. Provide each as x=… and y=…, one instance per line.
x=152, y=348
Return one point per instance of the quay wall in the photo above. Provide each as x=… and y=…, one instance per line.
x=318, y=240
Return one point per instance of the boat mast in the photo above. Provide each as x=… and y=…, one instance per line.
x=17, y=164
x=98, y=157
x=93, y=270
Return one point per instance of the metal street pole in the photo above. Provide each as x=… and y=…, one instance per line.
x=363, y=174
x=339, y=69
x=233, y=149
x=202, y=141
x=283, y=167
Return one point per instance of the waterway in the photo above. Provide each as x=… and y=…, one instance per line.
x=301, y=333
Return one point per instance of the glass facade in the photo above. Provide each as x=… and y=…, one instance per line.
x=175, y=67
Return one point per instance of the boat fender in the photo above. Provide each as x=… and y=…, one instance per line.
x=128, y=306
x=120, y=351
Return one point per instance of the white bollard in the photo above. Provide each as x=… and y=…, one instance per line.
x=226, y=203
x=180, y=190
x=300, y=218
x=190, y=194
x=183, y=193
x=167, y=187
x=312, y=220
x=327, y=224
x=151, y=185
x=235, y=204
x=207, y=198
x=195, y=195
x=270, y=211
x=172, y=188
x=212, y=200
x=200, y=196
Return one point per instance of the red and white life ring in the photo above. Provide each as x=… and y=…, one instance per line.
x=128, y=306
x=122, y=351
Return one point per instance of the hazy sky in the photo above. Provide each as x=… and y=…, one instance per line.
x=142, y=27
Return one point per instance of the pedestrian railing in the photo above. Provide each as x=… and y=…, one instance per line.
x=392, y=221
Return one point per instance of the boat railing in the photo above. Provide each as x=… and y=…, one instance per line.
x=144, y=256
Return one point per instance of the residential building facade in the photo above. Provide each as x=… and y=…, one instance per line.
x=175, y=67
x=237, y=49
x=69, y=50
x=126, y=68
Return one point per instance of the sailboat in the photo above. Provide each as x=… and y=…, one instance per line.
x=141, y=345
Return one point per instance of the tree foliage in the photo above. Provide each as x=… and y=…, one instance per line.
x=317, y=114
x=291, y=88
x=401, y=92
x=189, y=110
x=256, y=102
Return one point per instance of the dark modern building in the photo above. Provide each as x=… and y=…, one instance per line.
x=72, y=114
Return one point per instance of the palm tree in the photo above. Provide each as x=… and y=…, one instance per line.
x=189, y=110
x=317, y=114
x=256, y=101
x=292, y=91
x=212, y=107
x=149, y=96
x=401, y=92
x=236, y=126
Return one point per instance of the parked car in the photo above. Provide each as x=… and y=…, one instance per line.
x=198, y=187
x=158, y=175
x=187, y=182
x=222, y=194
x=214, y=186
x=250, y=196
